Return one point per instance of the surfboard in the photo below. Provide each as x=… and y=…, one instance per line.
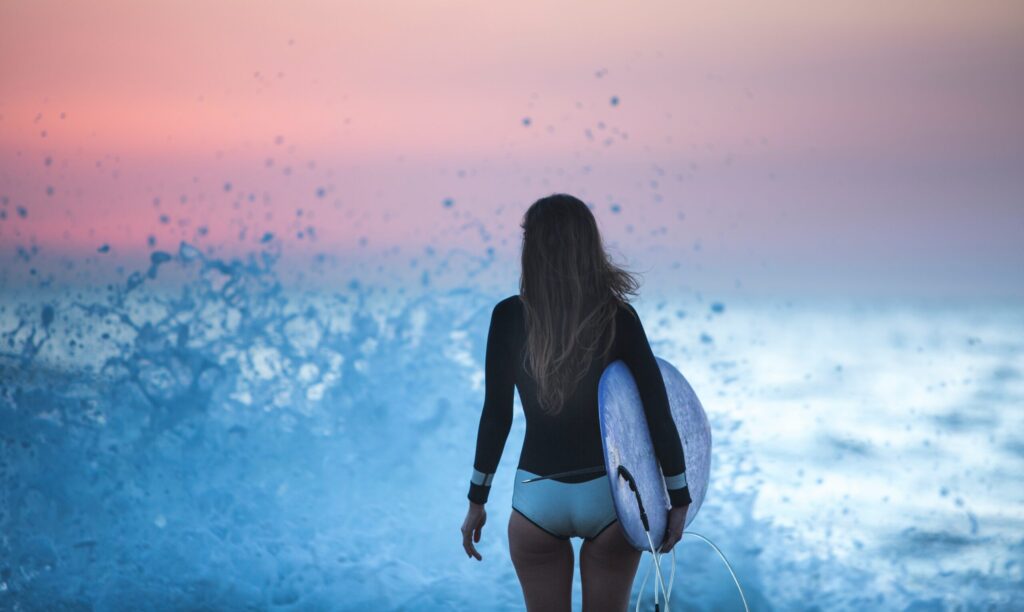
x=627, y=441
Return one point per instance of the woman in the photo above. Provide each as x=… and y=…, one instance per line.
x=552, y=342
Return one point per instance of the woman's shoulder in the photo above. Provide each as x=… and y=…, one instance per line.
x=626, y=309
x=627, y=318
x=511, y=301
x=508, y=306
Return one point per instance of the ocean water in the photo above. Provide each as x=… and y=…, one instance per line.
x=224, y=442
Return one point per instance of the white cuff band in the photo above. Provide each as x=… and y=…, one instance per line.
x=676, y=482
x=479, y=478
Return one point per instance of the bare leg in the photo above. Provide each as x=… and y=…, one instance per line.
x=544, y=563
x=607, y=568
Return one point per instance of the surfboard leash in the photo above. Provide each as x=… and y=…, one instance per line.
x=724, y=560
x=624, y=473
x=656, y=556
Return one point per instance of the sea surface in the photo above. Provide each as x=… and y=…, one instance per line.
x=224, y=442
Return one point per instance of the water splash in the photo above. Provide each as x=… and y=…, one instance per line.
x=224, y=442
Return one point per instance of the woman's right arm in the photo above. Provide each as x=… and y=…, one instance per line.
x=499, y=395
x=636, y=352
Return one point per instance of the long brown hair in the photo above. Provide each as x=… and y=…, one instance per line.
x=571, y=291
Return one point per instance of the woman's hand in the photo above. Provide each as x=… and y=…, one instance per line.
x=674, y=531
x=471, y=527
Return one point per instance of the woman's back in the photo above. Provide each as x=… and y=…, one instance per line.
x=570, y=439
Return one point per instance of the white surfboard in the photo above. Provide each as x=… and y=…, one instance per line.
x=627, y=441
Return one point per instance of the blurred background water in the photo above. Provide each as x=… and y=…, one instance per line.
x=232, y=444
x=248, y=257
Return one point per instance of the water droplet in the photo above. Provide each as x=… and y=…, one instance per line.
x=47, y=315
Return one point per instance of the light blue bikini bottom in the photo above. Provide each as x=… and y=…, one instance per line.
x=564, y=509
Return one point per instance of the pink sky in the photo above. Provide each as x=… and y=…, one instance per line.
x=877, y=140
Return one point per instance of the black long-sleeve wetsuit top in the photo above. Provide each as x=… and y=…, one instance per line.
x=570, y=440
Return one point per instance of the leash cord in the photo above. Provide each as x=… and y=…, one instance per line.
x=656, y=560
x=656, y=557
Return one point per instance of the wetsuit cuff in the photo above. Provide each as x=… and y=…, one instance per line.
x=478, y=493
x=678, y=491
x=680, y=497
x=480, y=486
